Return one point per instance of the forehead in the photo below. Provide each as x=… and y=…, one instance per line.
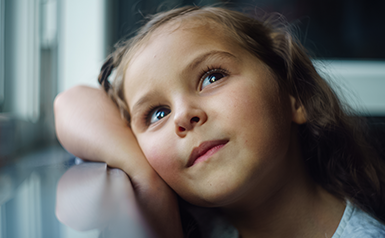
x=169, y=50
x=177, y=35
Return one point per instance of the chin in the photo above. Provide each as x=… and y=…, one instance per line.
x=213, y=197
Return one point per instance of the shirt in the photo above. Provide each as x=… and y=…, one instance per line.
x=355, y=223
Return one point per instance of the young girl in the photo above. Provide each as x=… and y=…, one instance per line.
x=229, y=113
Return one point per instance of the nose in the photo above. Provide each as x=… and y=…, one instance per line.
x=187, y=117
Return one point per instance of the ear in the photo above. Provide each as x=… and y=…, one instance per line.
x=298, y=111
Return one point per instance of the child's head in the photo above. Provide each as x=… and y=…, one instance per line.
x=243, y=88
x=191, y=88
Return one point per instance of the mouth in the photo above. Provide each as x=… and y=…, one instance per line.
x=205, y=150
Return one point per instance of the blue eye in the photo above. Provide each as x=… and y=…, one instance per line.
x=158, y=114
x=212, y=76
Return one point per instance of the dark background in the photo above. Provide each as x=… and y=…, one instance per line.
x=340, y=29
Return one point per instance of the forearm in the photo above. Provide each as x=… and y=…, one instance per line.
x=88, y=124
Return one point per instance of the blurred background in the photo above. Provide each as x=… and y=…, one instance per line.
x=48, y=46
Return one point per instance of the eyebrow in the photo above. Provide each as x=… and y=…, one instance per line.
x=214, y=53
x=147, y=97
x=190, y=67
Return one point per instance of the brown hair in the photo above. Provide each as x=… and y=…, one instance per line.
x=333, y=140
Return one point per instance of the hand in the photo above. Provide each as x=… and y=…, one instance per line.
x=88, y=124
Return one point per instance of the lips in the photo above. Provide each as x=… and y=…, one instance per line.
x=205, y=151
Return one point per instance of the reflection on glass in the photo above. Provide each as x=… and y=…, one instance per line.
x=93, y=196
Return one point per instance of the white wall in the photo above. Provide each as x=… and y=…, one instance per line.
x=81, y=42
x=362, y=83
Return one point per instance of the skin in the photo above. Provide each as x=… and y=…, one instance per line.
x=257, y=178
x=244, y=107
x=89, y=126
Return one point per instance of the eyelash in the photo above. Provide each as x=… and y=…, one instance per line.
x=203, y=74
x=209, y=70
x=149, y=111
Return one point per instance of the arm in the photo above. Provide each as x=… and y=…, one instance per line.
x=88, y=125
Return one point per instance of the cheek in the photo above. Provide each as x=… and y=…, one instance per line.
x=244, y=107
x=160, y=153
x=258, y=116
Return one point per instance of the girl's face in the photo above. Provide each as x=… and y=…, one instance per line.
x=209, y=116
